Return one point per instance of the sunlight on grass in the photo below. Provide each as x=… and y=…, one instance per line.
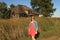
x=16, y=29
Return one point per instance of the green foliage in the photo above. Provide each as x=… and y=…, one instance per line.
x=44, y=7
x=3, y=4
x=4, y=11
x=12, y=6
x=0, y=14
x=3, y=7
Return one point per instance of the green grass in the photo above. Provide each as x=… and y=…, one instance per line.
x=12, y=29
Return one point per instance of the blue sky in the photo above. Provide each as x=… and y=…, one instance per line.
x=27, y=3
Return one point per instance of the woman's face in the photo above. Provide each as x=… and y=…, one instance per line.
x=32, y=18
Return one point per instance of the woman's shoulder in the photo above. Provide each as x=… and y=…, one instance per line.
x=35, y=21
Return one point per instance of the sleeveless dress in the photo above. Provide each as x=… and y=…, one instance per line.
x=32, y=30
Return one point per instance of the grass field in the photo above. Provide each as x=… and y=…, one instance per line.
x=16, y=29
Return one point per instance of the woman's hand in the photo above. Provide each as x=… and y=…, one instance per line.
x=28, y=31
x=36, y=31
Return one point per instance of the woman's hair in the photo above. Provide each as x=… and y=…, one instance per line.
x=32, y=17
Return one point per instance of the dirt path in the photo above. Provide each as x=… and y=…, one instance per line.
x=51, y=38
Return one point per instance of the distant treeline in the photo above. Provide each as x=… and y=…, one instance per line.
x=43, y=7
x=5, y=10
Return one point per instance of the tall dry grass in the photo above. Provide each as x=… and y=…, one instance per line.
x=16, y=29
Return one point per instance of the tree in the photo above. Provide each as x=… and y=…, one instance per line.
x=8, y=13
x=3, y=6
x=12, y=6
x=1, y=14
x=3, y=9
x=44, y=7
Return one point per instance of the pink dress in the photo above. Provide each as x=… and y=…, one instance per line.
x=31, y=30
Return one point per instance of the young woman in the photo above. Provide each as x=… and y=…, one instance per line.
x=33, y=28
